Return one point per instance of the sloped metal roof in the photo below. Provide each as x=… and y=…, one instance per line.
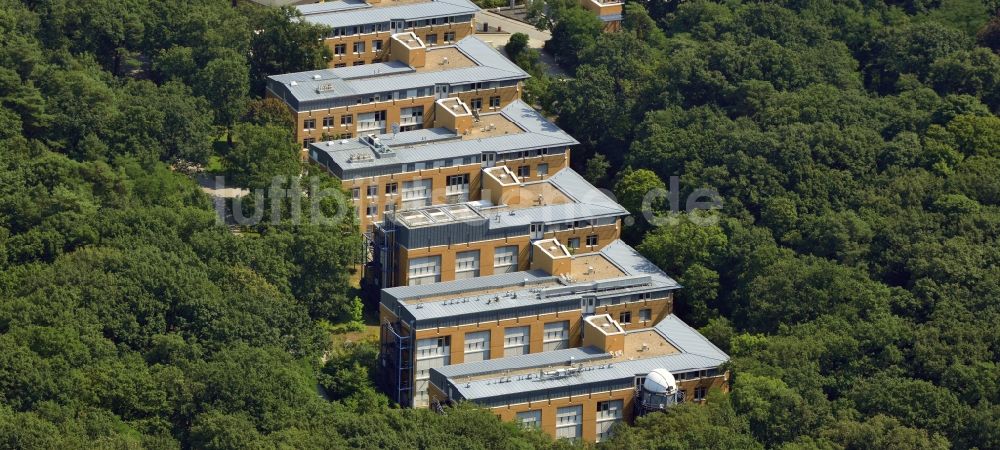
x=392, y=76
x=349, y=13
x=696, y=353
x=435, y=144
x=532, y=360
x=630, y=261
x=466, y=296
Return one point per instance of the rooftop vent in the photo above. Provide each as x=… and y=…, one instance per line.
x=325, y=87
x=317, y=77
x=293, y=83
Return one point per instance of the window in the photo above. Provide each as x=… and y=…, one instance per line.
x=530, y=419
x=372, y=190
x=327, y=122
x=495, y=101
x=358, y=63
x=699, y=393
x=431, y=353
x=346, y=119
x=645, y=315
x=372, y=210
x=373, y=121
x=339, y=49
x=477, y=346
x=556, y=336
x=339, y=65
x=505, y=259
x=376, y=46
x=425, y=270
x=569, y=422
x=515, y=341
x=592, y=240
x=524, y=171
x=625, y=317
x=356, y=193
x=408, y=117
x=608, y=414
x=309, y=124
x=359, y=47
x=477, y=103
x=390, y=188
x=573, y=243
x=449, y=36
x=457, y=184
x=416, y=193
x=543, y=169
x=307, y=141
x=431, y=39
x=467, y=265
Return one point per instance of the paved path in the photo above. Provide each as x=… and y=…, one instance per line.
x=536, y=37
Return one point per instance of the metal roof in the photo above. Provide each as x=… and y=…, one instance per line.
x=588, y=202
x=392, y=76
x=331, y=6
x=696, y=353
x=435, y=144
x=687, y=339
x=350, y=13
x=472, y=284
x=462, y=297
x=611, y=17
x=630, y=261
x=531, y=360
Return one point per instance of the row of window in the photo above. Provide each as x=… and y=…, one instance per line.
x=427, y=269
x=625, y=317
x=574, y=243
x=477, y=103
x=569, y=419
x=346, y=120
x=396, y=26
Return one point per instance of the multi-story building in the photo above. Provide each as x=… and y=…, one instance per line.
x=359, y=30
x=609, y=11
x=443, y=163
x=456, y=241
x=398, y=94
x=513, y=313
x=581, y=393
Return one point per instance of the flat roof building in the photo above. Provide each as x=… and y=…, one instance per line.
x=494, y=234
x=443, y=164
x=581, y=393
x=517, y=313
x=397, y=94
x=359, y=30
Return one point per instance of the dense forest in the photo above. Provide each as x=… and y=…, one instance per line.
x=853, y=275
x=854, y=271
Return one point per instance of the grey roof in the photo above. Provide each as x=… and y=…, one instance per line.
x=394, y=75
x=588, y=202
x=472, y=284
x=440, y=143
x=611, y=17
x=688, y=340
x=630, y=261
x=522, y=288
x=531, y=360
x=350, y=13
x=696, y=353
x=331, y=6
